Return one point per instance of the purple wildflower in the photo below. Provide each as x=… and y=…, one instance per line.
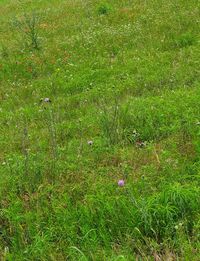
x=121, y=183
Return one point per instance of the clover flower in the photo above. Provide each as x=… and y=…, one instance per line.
x=90, y=142
x=47, y=100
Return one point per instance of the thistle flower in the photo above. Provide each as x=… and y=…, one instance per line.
x=121, y=183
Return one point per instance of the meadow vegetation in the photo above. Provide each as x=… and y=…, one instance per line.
x=93, y=92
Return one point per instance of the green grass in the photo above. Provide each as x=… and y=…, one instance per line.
x=125, y=76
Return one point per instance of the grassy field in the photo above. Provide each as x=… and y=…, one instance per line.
x=93, y=92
